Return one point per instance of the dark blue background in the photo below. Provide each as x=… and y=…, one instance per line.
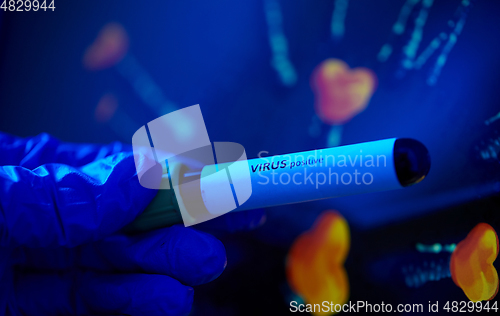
x=217, y=54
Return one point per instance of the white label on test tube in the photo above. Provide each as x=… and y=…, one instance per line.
x=326, y=173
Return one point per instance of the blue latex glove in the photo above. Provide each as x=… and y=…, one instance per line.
x=61, y=206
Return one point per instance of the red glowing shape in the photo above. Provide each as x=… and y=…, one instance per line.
x=109, y=48
x=340, y=92
x=315, y=265
x=106, y=108
x=471, y=263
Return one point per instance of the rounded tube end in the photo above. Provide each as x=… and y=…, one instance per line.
x=411, y=161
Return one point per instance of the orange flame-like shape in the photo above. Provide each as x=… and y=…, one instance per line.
x=471, y=263
x=340, y=92
x=106, y=108
x=108, y=49
x=315, y=265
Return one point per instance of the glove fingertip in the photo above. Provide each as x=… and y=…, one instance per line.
x=149, y=171
x=119, y=195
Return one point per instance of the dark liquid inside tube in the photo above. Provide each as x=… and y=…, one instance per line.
x=411, y=161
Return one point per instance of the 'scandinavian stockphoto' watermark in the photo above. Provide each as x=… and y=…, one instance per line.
x=300, y=170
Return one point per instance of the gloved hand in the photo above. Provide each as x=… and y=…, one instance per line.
x=61, y=207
